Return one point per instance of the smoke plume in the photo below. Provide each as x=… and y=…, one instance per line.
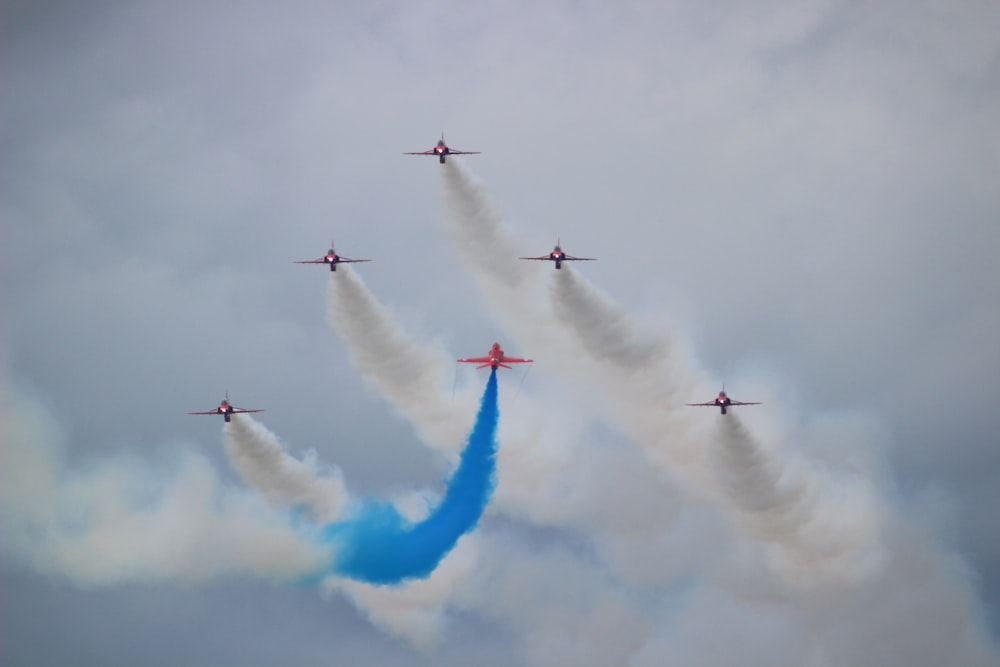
x=378, y=545
x=121, y=520
x=264, y=465
x=410, y=376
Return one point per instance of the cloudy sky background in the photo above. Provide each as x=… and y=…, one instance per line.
x=802, y=198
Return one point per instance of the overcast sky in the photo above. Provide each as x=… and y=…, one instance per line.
x=799, y=200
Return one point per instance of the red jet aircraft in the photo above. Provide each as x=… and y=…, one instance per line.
x=558, y=256
x=224, y=409
x=441, y=150
x=721, y=401
x=331, y=258
x=495, y=358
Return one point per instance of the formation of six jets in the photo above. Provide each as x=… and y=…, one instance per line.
x=495, y=357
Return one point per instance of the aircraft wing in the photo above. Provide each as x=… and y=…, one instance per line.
x=321, y=260
x=241, y=410
x=579, y=259
x=710, y=404
x=476, y=360
x=516, y=360
x=542, y=257
x=452, y=151
x=430, y=152
x=732, y=402
x=206, y=412
x=348, y=260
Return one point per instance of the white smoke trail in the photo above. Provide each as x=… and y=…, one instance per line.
x=775, y=498
x=121, y=521
x=410, y=376
x=825, y=529
x=263, y=464
x=489, y=249
x=650, y=375
x=828, y=527
x=486, y=243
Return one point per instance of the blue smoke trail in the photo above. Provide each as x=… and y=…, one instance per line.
x=379, y=546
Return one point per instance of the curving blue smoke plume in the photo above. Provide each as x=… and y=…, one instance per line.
x=379, y=546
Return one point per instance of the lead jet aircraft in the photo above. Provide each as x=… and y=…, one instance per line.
x=558, y=256
x=441, y=150
x=722, y=401
x=331, y=258
x=224, y=409
x=495, y=358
